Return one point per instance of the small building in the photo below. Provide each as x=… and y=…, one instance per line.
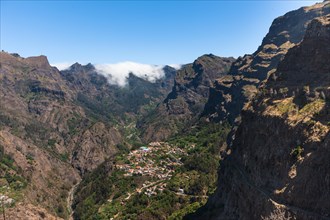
x=145, y=149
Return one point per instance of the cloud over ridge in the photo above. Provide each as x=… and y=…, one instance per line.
x=118, y=73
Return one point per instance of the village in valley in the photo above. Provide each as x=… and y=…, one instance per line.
x=157, y=161
x=163, y=178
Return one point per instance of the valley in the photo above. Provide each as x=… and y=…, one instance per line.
x=159, y=180
x=217, y=138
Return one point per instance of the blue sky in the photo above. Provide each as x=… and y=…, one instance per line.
x=152, y=32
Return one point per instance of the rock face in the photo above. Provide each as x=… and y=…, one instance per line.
x=192, y=83
x=90, y=86
x=186, y=101
x=231, y=92
x=41, y=105
x=278, y=164
x=112, y=108
x=47, y=179
x=57, y=126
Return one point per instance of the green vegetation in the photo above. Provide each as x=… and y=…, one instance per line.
x=179, y=214
x=97, y=187
x=297, y=152
x=107, y=192
x=51, y=142
x=64, y=157
x=12, y=182
x=283, y=91
x=8, y=121
x=313, y=107
x=286, y=106
x=97, y=108
x=201, y=163
x=73, y=124
x=131, y=133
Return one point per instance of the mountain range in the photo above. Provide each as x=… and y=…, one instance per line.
x=265, y=116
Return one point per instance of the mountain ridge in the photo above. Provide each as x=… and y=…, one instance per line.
x=231, y=92
x=60, y=127
x=69, y=121
x=184, y=104
x=282, y=140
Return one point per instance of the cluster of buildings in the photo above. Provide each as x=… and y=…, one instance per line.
x=157, y=160
x=152, y=189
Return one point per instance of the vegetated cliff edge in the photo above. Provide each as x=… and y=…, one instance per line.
x=278, y=164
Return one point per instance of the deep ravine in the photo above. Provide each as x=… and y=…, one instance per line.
x=70, y=199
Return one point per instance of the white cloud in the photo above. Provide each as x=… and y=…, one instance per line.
x=62, y=66
x=118, y=73
x=175, y=66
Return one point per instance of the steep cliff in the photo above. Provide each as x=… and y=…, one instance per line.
x=278, y=164
x=186, y=101
x=112, y=109
x=231, y=92
x=35, y=168
x=57, y=126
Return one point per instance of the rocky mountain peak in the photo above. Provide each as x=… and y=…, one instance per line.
x=38, y=61
x=57, y=127
x=276, y=166
x=211, y=65
x=291, y=27
x=299, y=68
x=7, y=58
x=188, y=96
x=77, y=67
x=247, y=73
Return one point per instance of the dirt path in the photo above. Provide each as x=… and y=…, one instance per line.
x=70, y=200
x=133, y=193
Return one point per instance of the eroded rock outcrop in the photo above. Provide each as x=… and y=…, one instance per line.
x=278, y=164
x=231, y=92
x=57, y=126
x=186, y=101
